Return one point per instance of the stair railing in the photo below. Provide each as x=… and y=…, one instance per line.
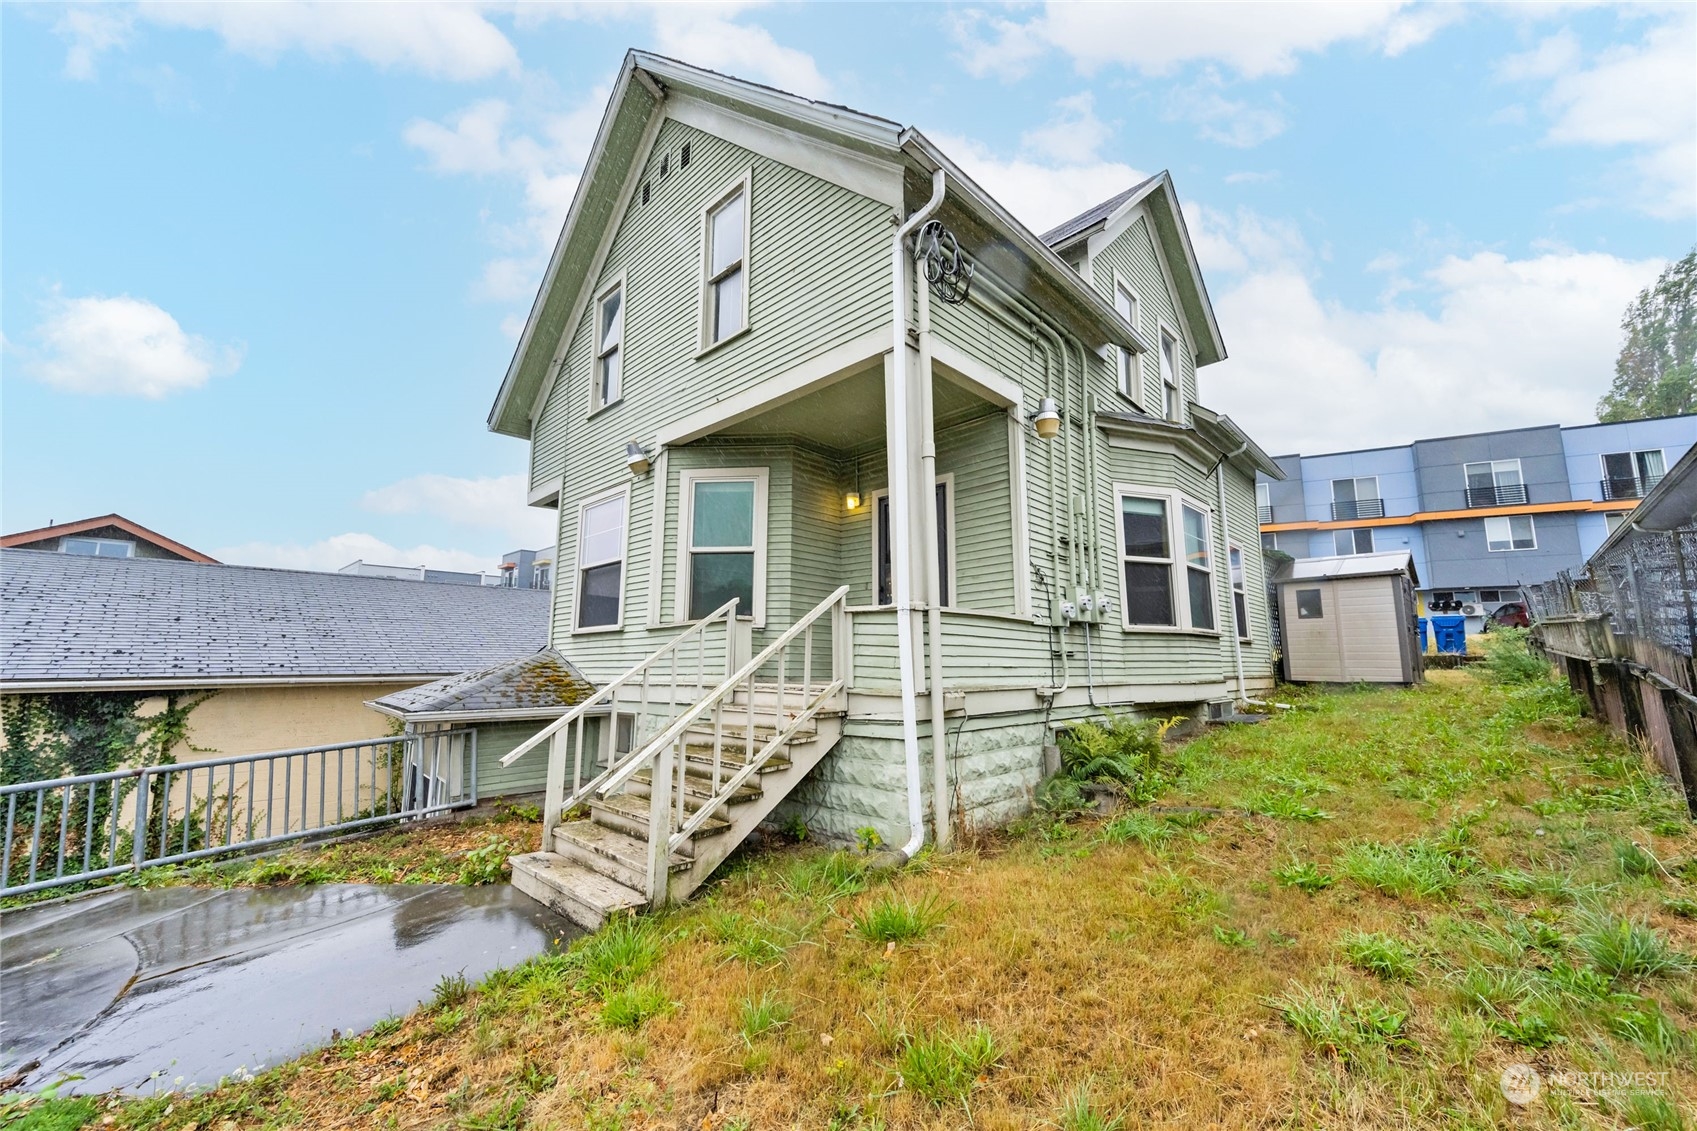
x=642, y=674
x=670, y=825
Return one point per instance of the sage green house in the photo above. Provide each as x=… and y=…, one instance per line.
x=953, y=474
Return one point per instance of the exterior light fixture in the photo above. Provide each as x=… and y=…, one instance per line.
x=636, y=459
x=851, y=501
x=1047, y=422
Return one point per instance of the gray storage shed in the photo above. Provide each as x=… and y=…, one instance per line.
x=1349, y=619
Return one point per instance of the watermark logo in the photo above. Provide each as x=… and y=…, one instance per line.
x=1520, y=1084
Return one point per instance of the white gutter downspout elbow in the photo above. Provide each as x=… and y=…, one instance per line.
x=900, y=517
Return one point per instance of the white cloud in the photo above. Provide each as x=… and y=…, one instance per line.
x=1252, y=39
x=443, y=40
x=341, y=549
x=495, y=503
x=91, y=31
x=1641, y=95
x=707, y=35
x=125, y=346
x=1239, y=123
x=1250, y=177
x=1492, y=342
x=1058, y=171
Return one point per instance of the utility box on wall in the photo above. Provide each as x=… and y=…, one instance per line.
x=1349, y=619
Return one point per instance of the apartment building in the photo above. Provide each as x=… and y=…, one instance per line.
x=1483, y=513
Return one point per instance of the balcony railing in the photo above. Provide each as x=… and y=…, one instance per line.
x=1358, y=508
x=1263, y=515
x=1503, y=495
x=1629, y=486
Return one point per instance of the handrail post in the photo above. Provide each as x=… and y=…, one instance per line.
x=555, y=787
x=140, y=846
x=659, y=826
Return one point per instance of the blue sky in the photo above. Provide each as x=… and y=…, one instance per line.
x=265, y=264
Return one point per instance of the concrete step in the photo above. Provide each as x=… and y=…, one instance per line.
x=616, y=855
x=569, y=888
x=628, y=814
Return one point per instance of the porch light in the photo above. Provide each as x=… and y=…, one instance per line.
x=851, y=501
x=1047, y=422
x=636, y=459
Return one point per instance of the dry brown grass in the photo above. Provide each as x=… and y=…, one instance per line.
x=1091, y=962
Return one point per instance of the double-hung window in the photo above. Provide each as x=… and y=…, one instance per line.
x=1171, y=403
x=1513, y=532
x=601, y=561
x=1240, y=595
x=610, y=347
x=1164, y=588
x=1356, y=541
x=1494, y=483
x=1131, y=370
x=725, y=541
x=725, y=300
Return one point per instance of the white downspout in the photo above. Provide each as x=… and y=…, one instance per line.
x=899, y=517
x=933, y=536
x=1237, y=629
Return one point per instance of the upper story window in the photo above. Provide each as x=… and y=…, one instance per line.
x=610, y=347
x=1263, y=503
x=1357, y=541
x=1131, y=373
x=601, y=562
x=1512, y=532
x=1171, y=403
x=541, y=574
x=1614, y=520
x=1356, y=498
x=724, y=542
x=1630, y=475
x=725, y=301
x=1494, y=483
x=98, y=547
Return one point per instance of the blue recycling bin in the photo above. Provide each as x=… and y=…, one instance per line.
x=1420, y=627
x=1451, y=634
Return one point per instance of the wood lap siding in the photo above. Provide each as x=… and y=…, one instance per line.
x=976, y=452
x=1132, y=254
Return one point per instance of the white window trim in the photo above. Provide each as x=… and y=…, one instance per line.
x=617, y=283
x=578, y=566
x=947, y=479
x=1603, y=462
x=129, y=546
x=1263, y=496
x=1176, y=501
x=1132, y=385
x=1240, y=624
x=1511, y=548
x=742, y=183
x=686, y=525
x=1177, y=383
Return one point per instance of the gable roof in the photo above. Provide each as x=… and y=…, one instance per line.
x=69, y=622
x=82, y=526
x=530, y=687
x=644, y=83
x=1174, y=240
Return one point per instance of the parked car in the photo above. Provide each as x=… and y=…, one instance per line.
x=1512, y=615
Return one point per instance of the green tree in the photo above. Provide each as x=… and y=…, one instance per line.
x=1655, y=374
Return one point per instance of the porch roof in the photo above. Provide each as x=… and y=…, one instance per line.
x=536, y=686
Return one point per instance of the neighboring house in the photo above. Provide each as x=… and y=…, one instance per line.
x=528, y=569
x=732, y=388
x=108, y=536
x=417, y=573
x=1482, y=514
x=280, y=658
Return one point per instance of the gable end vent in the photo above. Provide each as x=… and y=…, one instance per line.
x=645, y=192
x=683, y=156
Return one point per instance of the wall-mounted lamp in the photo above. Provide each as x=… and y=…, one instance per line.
x=1047, y=422
x=636, y=459
x=851, y=501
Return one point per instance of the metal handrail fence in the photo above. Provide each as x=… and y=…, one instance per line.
x=94, y=826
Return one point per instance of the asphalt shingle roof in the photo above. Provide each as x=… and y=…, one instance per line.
x=543, y=681
x=73, y=619
x=1070, y=228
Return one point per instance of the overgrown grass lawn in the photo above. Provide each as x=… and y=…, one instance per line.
x=1407, y=892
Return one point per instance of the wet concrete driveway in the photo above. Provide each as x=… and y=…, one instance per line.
x=180, y=987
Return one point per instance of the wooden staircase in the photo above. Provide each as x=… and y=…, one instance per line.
x=652, y=826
